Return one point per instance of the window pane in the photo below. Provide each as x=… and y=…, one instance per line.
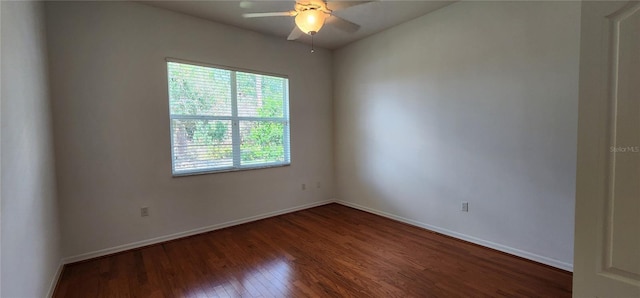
x=198, y=90
x=260, y=95
x=262, y=142
x=201, y=144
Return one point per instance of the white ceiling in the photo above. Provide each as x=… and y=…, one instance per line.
x=372, y=16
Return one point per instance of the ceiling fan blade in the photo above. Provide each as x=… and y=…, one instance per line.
x=342, y=24
x=295, y=33
x=340, y=5
x=269, y=14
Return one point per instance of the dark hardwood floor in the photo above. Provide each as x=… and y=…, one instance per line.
x=327, y=251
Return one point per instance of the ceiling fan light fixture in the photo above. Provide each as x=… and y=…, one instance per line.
x=310, y=21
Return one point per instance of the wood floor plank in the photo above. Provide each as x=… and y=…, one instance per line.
x=327, y=251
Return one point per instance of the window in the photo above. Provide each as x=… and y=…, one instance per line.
x=226, y=120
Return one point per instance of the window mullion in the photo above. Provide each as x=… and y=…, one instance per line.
x=235, y=124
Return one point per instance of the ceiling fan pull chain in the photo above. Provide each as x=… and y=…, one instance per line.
x=312, y=50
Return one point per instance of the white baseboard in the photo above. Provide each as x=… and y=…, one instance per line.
x=138, y=244
x=496, y=246
x=56, y=277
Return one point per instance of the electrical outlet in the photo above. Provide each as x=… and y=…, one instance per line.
x=144, y=211
x=465, y=207
x=304, y=186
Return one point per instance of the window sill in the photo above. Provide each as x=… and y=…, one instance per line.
x=227, y=170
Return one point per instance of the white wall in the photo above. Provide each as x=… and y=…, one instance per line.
x=112, y=127
x=475, y=102
x=30, y=233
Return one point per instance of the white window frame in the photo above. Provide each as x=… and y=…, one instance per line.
x=235, y=123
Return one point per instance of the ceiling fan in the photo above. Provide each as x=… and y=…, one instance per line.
x=311, y=15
